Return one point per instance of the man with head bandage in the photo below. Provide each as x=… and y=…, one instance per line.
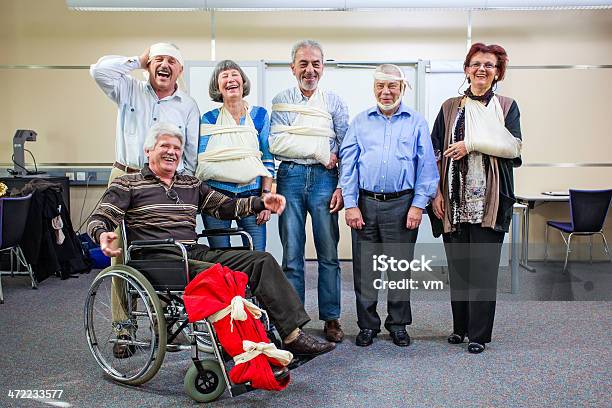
x=307, y=127
x=388, y=175
x=142, y=104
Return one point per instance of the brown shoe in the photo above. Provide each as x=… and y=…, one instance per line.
x=333, y=331
x=308, y=346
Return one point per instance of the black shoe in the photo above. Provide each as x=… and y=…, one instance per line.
x=280, y=373
x=455, y=339
x=123, y=350
x=400, y=337
x=308, y=346
x=365, y=337
x=475, y=348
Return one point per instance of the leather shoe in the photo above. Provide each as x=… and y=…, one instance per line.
x=475, y=348
x=123, y=350
x=365, y=337
x=308, y=346
x=400, y=337
x=280, y=372
x=333, y=331
x=455, y=338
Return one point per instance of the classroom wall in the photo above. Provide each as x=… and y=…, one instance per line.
x=76, y=122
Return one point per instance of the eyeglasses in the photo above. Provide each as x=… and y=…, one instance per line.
x=173, y=195
x=488, y=66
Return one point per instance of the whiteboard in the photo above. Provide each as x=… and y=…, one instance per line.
x=444, y=80
x=353, y=84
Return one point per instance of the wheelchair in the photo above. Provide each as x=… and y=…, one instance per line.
x=155, y=317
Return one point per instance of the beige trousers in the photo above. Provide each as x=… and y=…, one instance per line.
x=118, y=288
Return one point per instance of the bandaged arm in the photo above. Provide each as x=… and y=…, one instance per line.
x=502, y=144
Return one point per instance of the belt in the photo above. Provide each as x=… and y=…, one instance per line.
x=289, y=163
x=125, y=168
x=385, y=196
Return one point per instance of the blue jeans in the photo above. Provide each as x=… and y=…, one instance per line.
x=308, y=188
x=249, y=224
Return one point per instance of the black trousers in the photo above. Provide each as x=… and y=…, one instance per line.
x=266, y=281
x=384, y=233
x=473, y=254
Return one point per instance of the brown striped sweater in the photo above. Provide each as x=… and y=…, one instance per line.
x=153, y=210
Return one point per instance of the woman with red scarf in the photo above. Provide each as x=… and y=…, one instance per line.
x=477, y=139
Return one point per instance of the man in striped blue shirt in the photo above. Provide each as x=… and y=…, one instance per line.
x=307, y=128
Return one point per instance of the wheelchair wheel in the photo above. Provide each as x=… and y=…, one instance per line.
x=207, y=387
x=142, y=333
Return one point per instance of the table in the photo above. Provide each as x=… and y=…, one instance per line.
x=531, y=200
x=514, y=257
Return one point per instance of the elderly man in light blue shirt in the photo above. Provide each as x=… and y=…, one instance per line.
x=388, y=176
x=307, y=127
x=141, y=104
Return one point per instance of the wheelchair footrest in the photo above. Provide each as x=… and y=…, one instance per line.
x=298, y=361
x=238, y=389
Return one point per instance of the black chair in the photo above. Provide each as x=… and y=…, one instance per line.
x=13, y=216
x=588, y=210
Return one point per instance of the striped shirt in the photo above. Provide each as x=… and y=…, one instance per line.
x=261, y=120
x=153, y=210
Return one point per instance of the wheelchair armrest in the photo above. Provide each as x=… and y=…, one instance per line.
x=220, y=231
x=147, y=242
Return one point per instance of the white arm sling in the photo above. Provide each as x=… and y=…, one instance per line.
x=485, y=131
x=308, y=136
x=232, y=153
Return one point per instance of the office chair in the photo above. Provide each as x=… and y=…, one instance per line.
x=13, y=216
x=588, y=210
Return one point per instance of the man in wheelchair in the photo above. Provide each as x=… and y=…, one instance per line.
x=158, y=203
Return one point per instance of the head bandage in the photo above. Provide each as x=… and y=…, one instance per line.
x=379, y=75
x=165, y=49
